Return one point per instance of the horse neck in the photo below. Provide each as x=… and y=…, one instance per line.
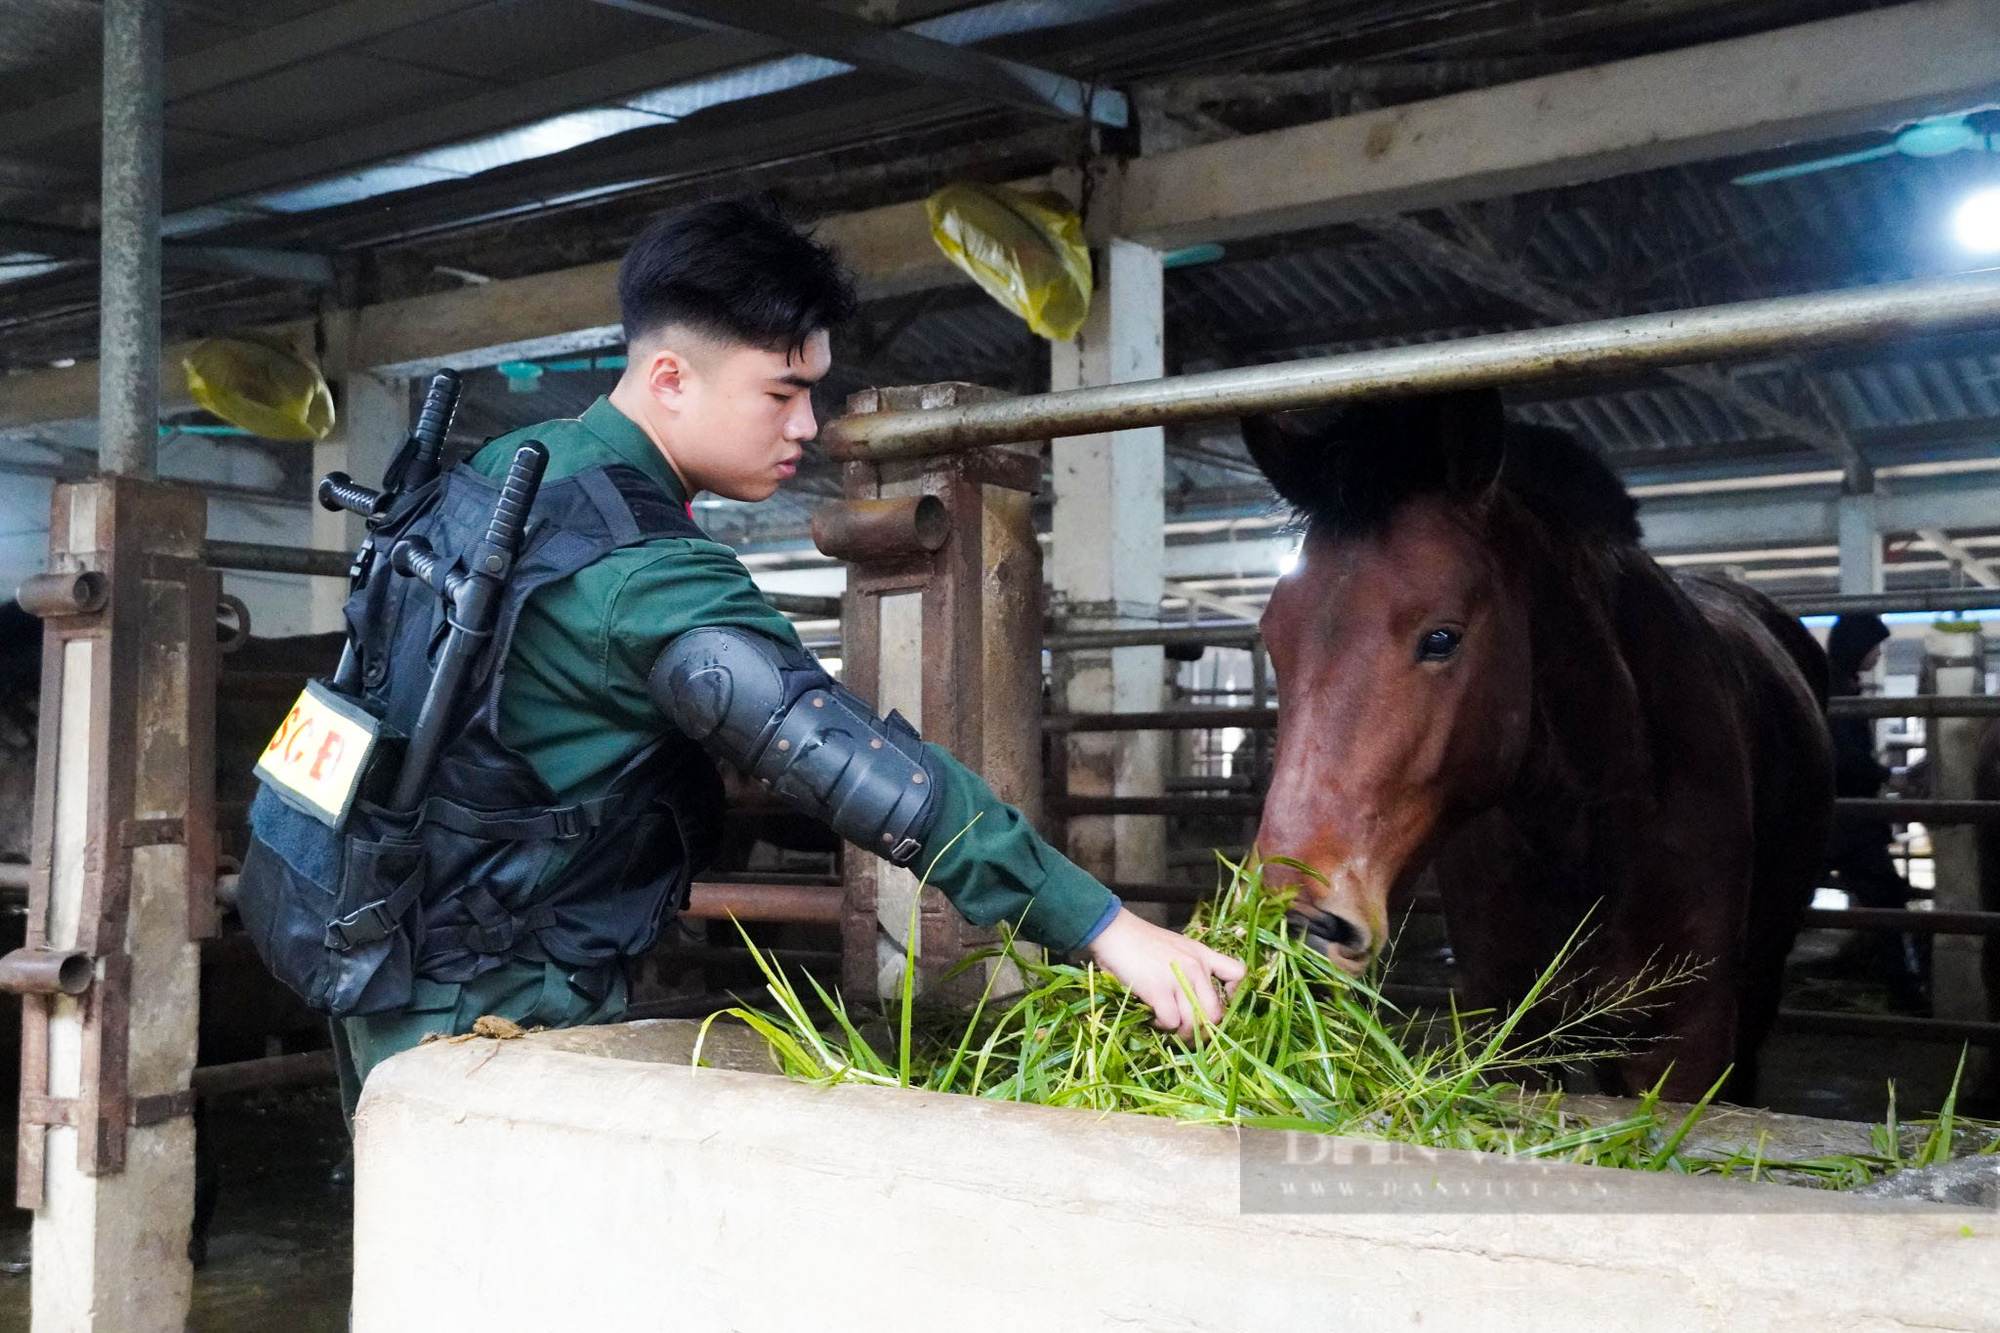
x=1589, y=758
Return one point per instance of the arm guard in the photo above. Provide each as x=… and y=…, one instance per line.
x=771, y=710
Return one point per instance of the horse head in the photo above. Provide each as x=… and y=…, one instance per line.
x=1402, y=642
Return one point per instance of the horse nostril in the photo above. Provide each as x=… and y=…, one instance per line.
x=1329, y=930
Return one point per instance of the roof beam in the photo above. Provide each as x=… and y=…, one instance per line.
x=857, y=42
x=608, y=84
x=1863, y=72
x=1192, y=91
x=1975, y=569
x=1210, y=601
x=248, y=261
x=1814, y=80
x=258, y=53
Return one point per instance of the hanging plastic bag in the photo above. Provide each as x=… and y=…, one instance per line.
x=260, y=384
x=1025, y=250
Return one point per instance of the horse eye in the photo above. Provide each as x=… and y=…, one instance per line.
x=1438, y=645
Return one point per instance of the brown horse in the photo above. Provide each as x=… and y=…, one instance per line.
x=1482, y=673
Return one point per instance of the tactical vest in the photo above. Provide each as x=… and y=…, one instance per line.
x=348, y=915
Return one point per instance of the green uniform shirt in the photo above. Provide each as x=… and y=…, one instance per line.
x=576, y=705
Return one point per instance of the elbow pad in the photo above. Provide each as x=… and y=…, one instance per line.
x=771, y=710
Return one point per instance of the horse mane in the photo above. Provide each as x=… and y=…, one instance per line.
x=1347, y=470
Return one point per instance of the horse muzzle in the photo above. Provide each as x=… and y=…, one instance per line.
x=1340, y=939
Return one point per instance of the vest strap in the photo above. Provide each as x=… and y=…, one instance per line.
x=492, y=932
x=611, y=506
x=528, y=823
x=373, y=921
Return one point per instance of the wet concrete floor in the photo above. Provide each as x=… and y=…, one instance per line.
x=279, y=1255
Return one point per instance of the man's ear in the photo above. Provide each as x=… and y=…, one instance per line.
x=666, y=372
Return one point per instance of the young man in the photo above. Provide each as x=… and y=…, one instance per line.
x=727, y=314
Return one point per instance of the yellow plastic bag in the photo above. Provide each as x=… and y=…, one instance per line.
x=1025, y=250
x=260, y=384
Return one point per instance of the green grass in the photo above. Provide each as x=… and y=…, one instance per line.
x=1301, y=1046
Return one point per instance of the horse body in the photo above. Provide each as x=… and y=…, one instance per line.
x=1481, y=673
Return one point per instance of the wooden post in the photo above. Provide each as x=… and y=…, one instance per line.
x=123, y=873
x=947, y=630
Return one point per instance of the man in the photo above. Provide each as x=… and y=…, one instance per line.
x=1860, y=854
x=727, y=313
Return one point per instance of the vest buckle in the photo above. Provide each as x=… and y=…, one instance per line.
x=364, y=925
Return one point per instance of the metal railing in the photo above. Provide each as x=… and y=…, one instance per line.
x=1848, y=317
x=1208, y=718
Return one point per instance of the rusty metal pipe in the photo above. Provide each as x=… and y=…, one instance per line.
x=1243, y=635
x=813, y=904
x=43, y=971
x=805, y=604
x=1263, y=719
x=264, y=558
x=868, y=531
x=1175, y=636
x=1789, y=324
x=1905, y=922
x=1914, y=705
x=1177, y=807
x=273, y=1071
x=50, y=595
x=1175, y=719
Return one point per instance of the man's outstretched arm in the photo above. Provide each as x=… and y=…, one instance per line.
x=765, y=705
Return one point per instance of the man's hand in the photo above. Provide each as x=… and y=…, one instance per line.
x=1147, y=957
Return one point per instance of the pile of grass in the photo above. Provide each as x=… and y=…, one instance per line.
x=1300, y=1046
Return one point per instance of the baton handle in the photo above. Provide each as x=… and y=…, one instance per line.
x=433, y=423
x=338, y=491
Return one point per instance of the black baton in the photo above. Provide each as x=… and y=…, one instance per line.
x=472, y=596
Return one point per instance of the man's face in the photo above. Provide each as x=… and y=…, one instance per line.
x=736, y=418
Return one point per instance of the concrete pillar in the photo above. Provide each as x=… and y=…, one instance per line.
x=1106, y=563
x=373, y=417
x=1860, y=545
x=123, y=874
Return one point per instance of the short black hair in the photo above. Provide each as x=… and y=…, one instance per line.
x=736, y=270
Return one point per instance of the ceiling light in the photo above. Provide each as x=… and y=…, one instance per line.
x=1977, y=222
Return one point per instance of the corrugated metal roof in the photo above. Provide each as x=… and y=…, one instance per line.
x=1343, y=290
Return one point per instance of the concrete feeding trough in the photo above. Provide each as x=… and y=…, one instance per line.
x=592, y=1178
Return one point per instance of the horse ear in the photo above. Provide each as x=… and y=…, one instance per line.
x=1289, y=448
x=1471, y=433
